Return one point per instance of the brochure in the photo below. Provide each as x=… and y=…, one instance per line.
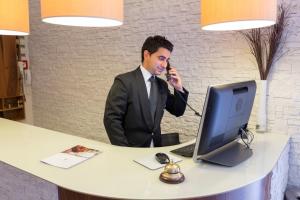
x=71, y=157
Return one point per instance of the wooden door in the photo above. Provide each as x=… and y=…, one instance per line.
x=9, y=83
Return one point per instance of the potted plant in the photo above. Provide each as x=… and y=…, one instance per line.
x=266, y=45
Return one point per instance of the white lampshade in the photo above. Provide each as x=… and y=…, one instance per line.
x=221, y=15
x=88, y=13
x=14, y=17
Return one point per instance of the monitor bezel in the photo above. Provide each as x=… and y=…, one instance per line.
x=196, y=156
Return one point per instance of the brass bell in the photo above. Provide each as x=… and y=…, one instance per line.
x=172, y=174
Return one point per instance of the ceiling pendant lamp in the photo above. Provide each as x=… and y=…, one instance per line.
x=87, y=13
x=223, y=15
x=14, y=17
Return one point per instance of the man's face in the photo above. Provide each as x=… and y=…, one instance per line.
x=156, y=63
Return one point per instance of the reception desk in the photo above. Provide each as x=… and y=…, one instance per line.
x=114, y=174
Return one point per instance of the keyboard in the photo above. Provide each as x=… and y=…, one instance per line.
x=186, y=151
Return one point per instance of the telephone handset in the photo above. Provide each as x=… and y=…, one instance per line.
x=168, y=68
x=168, y=76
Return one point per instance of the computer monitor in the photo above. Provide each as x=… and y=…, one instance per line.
x=226, y=112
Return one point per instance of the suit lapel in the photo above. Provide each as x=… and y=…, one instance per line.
x=143, y=96
x=159, y=100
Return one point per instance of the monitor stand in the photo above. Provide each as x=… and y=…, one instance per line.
x=230, y=155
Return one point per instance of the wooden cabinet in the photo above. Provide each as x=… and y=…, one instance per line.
x=12, y=107
x=11, y=98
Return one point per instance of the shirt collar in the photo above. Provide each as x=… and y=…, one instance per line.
x=146, y=73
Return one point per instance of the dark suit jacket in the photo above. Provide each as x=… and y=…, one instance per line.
x=127, y=116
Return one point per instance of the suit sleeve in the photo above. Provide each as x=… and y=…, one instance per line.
x=115, y=110
x=176, y=103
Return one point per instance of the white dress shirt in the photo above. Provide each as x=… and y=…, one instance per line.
x=146, y=75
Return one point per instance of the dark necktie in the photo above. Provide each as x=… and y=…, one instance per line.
x=153, y=96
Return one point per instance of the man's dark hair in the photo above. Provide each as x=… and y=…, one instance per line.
x=153, y=43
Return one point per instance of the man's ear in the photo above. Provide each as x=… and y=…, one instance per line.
x=146, y=54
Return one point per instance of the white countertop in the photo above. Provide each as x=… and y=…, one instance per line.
x=113, y=173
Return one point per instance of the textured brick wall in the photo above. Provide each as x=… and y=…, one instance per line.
x=73, y=69
x=280, y=175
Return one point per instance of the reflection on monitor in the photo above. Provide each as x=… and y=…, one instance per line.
x=226, y=112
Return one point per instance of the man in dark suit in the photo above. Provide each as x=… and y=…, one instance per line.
x=137, y=99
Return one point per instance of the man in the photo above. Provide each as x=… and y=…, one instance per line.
x=137, y=99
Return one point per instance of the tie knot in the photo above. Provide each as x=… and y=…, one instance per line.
x=152, y=79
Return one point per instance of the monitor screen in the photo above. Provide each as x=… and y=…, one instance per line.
x=226, y=111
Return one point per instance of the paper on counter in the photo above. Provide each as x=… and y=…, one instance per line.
x=70, y=157
x=150, y=162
